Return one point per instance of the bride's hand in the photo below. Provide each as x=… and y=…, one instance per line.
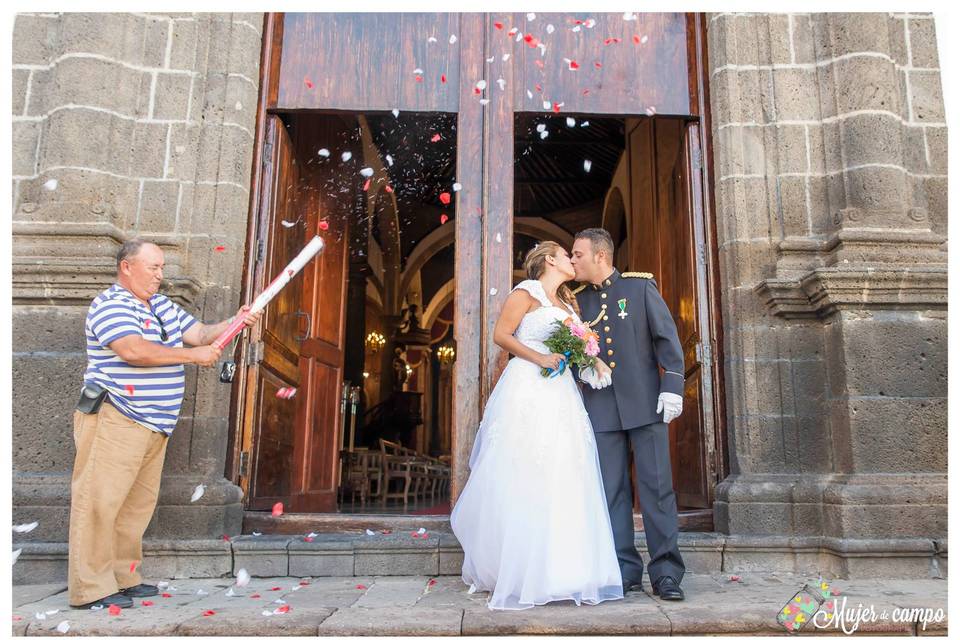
x=550, y=360
x=602, y=368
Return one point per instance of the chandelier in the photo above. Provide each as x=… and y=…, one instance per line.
x=375, y=341
x=446, y=354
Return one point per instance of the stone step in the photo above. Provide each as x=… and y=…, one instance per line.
x=399, y=553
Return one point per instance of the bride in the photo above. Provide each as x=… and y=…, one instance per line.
x=532, y=518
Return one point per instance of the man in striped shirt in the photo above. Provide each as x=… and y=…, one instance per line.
x=137, y=343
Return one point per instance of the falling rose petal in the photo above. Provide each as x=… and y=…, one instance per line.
x=556, y=107
x=130, y=389
x=197, y=493
x=586, y=91
x=63, y=627
x=493, y=291
x=498, y=26
x=366, y=172
x=636, y=39
x=147, y=603
x=585, y=123
x=256, y=533
x=538, y=88
x=529, y=94
x=445, y=198
x=324, y=153
x=418, y=78
x=490, y=60
x=443, y=218
x=366, y=185
x=278, y=510
x=431, y=39
x=287, y=223
x=576, y=29
x=502, y=83
x=370, y=533
x=514, y=31
x=346, y=155
x=586, y=165
x=651, y=110
x=50, y=185
x=243, y=578
x=133, y=566
x=163, y=585
x=453, y=39
x=550, y=28
x=531, y=41
x=114, y=610
x=544, y=134
x=457, y=186
x=324, y=225
x=531, y=17
x=485, y=101
x=541, y=127
x=499, y=238
x=219, y=248
x=307, y=82
x=208, y=613
x=598, y=65
x=396, y=113
x=225, y=537
x=16, y=554
x=24, y=528
x=571, y=122
x=546, y=104
x=443, y=78
x=539, y=63
x=644, y=39
x=435, y=138
x=481, y=84
x=572, y=64
x=590, y=23
x=389, y=159
x=418, y=71
x=505, y=57
x=388, y=189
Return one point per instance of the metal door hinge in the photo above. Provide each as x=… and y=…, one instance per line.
x=244, y=463
x=254, y=352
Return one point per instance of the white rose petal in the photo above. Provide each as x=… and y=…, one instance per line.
x=238, y=106
x=490, y=59
x=418, y=71
x=287, y=223
x=502, y=83
x=324, y=153
x=201, y=592
x=52, y=612
x=529, y=94
x=651, y=110
x=576, y=29
x=586, y=165
x=163, y=585
x=63, y=627
x=629, y=16
x=243, y=578
x=431, y=39
x=585, y=123
x=544, y=134
x=531, y=17
x=453, y=38
x=266, y=613
x=485, y=101
x=346, y=155
x=370, y=533
x=571, y=122
x=257, y=533
x=396, y=113
x=389, y=159
x=457, y=186
x=481, y=84
x=541, y=127
x=197, y=493
x=25, y=528
x=493, y=292
x=39, y=615
x=499, y=238
x=549, y=28
x=590, y=23
x=546, y=104
x=643, y=40
x=16, y=554
x=366, y=172
x=50, y=184
x=421, y=531
x=505, y=57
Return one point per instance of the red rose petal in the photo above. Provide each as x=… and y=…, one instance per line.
x=278, y=510
x=734, y=578
x=419, y=78
x=586, y=91
x=360, y=586
x=556, y=107
x=284, y=609
x=443, y=218
x=165, y=595
x=255, y=596
x=148, y=323
x=597, y=65
x=220, y=248
x=304, y=583
x=443, y=78
x=388, y=189
x=636, y=39
x=324, y=225
x=366, y=185
x=573, y=65
x=432, y=582
x=539, y=63
x=477, y=91
x=307, y=82
x=385, y=531
x=147, y=603
x=538, y=88
x=275, y=588
x=498, y=26
x=435, y=138
x=17, y=618
x=114, y=610
x=209, y=612
x=445, y=198
x=307, y=539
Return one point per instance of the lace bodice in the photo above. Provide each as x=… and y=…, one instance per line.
x=537, y=325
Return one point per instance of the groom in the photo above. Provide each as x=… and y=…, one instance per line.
x=637, y=333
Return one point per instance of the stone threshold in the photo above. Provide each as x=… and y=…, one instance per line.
x=399, y=553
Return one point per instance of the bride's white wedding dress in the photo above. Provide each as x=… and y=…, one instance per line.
x=532, y=518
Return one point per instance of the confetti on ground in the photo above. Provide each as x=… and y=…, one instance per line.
x=16, y=554
x=147, y=603
x=256, y=533
x=166, y=595
x=280, y=610
x=209, y=612
x=278, y=510
x=24, y=528
x=63, y=627
x=225, y=537
x=445, y=198
x=360, y=586
x=114, y=610
x=324, y=225
x=51, y=184
x=324, y=153
x=197, y=493
x=275, y=588
x=586, y=165
x=255, y=596
x=734, y=578
x=432, y=582
x=370, y=533
x=243, y=578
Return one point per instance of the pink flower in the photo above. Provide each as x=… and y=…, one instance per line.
x=593, y=347
x=577, y=329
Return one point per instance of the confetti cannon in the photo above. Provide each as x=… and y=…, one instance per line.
x=314, y=247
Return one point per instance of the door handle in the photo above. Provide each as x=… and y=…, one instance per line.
x=306, y=333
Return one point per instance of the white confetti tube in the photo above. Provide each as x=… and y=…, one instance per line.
x=313, y=247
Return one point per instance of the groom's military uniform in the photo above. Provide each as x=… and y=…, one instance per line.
x=637, y=333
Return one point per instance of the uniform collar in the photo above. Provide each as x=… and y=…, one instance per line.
x=607, y=282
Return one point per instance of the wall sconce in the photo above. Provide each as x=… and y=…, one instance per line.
x=375, y=341
x=446, y=354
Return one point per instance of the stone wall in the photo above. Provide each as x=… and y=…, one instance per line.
x=124, y=125
x=831, y=181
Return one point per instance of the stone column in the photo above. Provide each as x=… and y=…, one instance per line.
x=830, y=148
x=126, y=125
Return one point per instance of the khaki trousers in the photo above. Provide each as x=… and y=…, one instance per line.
x=116, y=480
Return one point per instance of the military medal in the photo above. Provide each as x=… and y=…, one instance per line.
x=622, y=303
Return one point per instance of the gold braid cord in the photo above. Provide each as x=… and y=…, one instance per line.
x=637, y=274
x=597, y=319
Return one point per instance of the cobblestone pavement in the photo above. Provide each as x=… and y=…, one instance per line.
x=424, y=605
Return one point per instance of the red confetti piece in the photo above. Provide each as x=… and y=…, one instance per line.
x=284, y=609
x=366, y=185
x=432, y=582
x=539, y=63
x=165, y=595
x=418, y=78
x=360, y=586
x=278, y=510
x=226, y=538
x=498, y=26
x=530, y=40
x=133, y=567
x=220, y=248
x=307, y=82
x=597, y=65
x=388, y=189
x=734, y=578
x=324, y=225
x=443, y=218
x=611, y=41
x=586, y=91
x=445, y=198
x=255, y=596
x=538, y=88
x=114, y=610
x=435, y=138
x=209, y=612
x=574, y=65
x=443, y=78
x=130, y=389
x=148, y=323
x=477, y=91
x=556, y=107
x=275, y=588
x=147, y=603
x=636, y=39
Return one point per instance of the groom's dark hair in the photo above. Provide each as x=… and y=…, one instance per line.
x=600, y=239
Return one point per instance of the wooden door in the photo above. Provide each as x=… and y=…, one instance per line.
x=666, y=202
x=294, y=441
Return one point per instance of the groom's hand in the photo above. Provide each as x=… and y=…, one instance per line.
x=671, y=404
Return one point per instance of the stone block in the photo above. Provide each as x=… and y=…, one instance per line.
x=742, y=151
x=636, y=614
x=158, y=206
x=863, y=83
x=240, y=91
x=34, y=38
x=855, y=33
x=451, y=555
x=185, y=558
x=926, y=96
x=795, y=93
x=398, y=621
x=245, y=42
x=41, y=563
x=793, y=206
x=878, y=194
x=871, y=138
x=26, y=138
x=923, y=42
x=148, y=150
x=119, y=36
x=899, y=435
x=94, y=139
x=803, y=52
x=21, y=80
x=261, y=556
x=397, y=554
x=171, y=96
x=936, y=138
x=184, y=45
x=778, y=29
x=184, y=148
x=327, y=555
x=93, y=82
x=790, y=142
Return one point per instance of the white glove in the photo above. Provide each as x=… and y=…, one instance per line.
x=671, y=404
x=594, y=379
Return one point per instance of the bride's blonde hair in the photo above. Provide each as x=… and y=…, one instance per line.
x=536, y=263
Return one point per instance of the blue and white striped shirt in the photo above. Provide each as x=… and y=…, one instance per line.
x=151, y=396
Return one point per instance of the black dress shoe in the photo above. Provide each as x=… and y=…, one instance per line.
x=122, y=601
x=140, y=591
x=630, y=585
x=668, y=589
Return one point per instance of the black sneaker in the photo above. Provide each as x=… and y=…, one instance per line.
x=119, y=599
x=140, y=591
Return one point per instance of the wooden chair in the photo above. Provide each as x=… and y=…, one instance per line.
x=397, y=465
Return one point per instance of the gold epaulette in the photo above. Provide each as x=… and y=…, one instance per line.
x=579, y=289
x=637, y=274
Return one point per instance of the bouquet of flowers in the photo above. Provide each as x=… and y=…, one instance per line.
x=578, y=342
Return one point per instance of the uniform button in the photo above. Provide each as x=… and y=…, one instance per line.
x=603, y=295
x=606, y=282
x=606, y=318
x=609, y=340
x=603, y=306
x=609, y=352
x=613, y=365
x=606, y=328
